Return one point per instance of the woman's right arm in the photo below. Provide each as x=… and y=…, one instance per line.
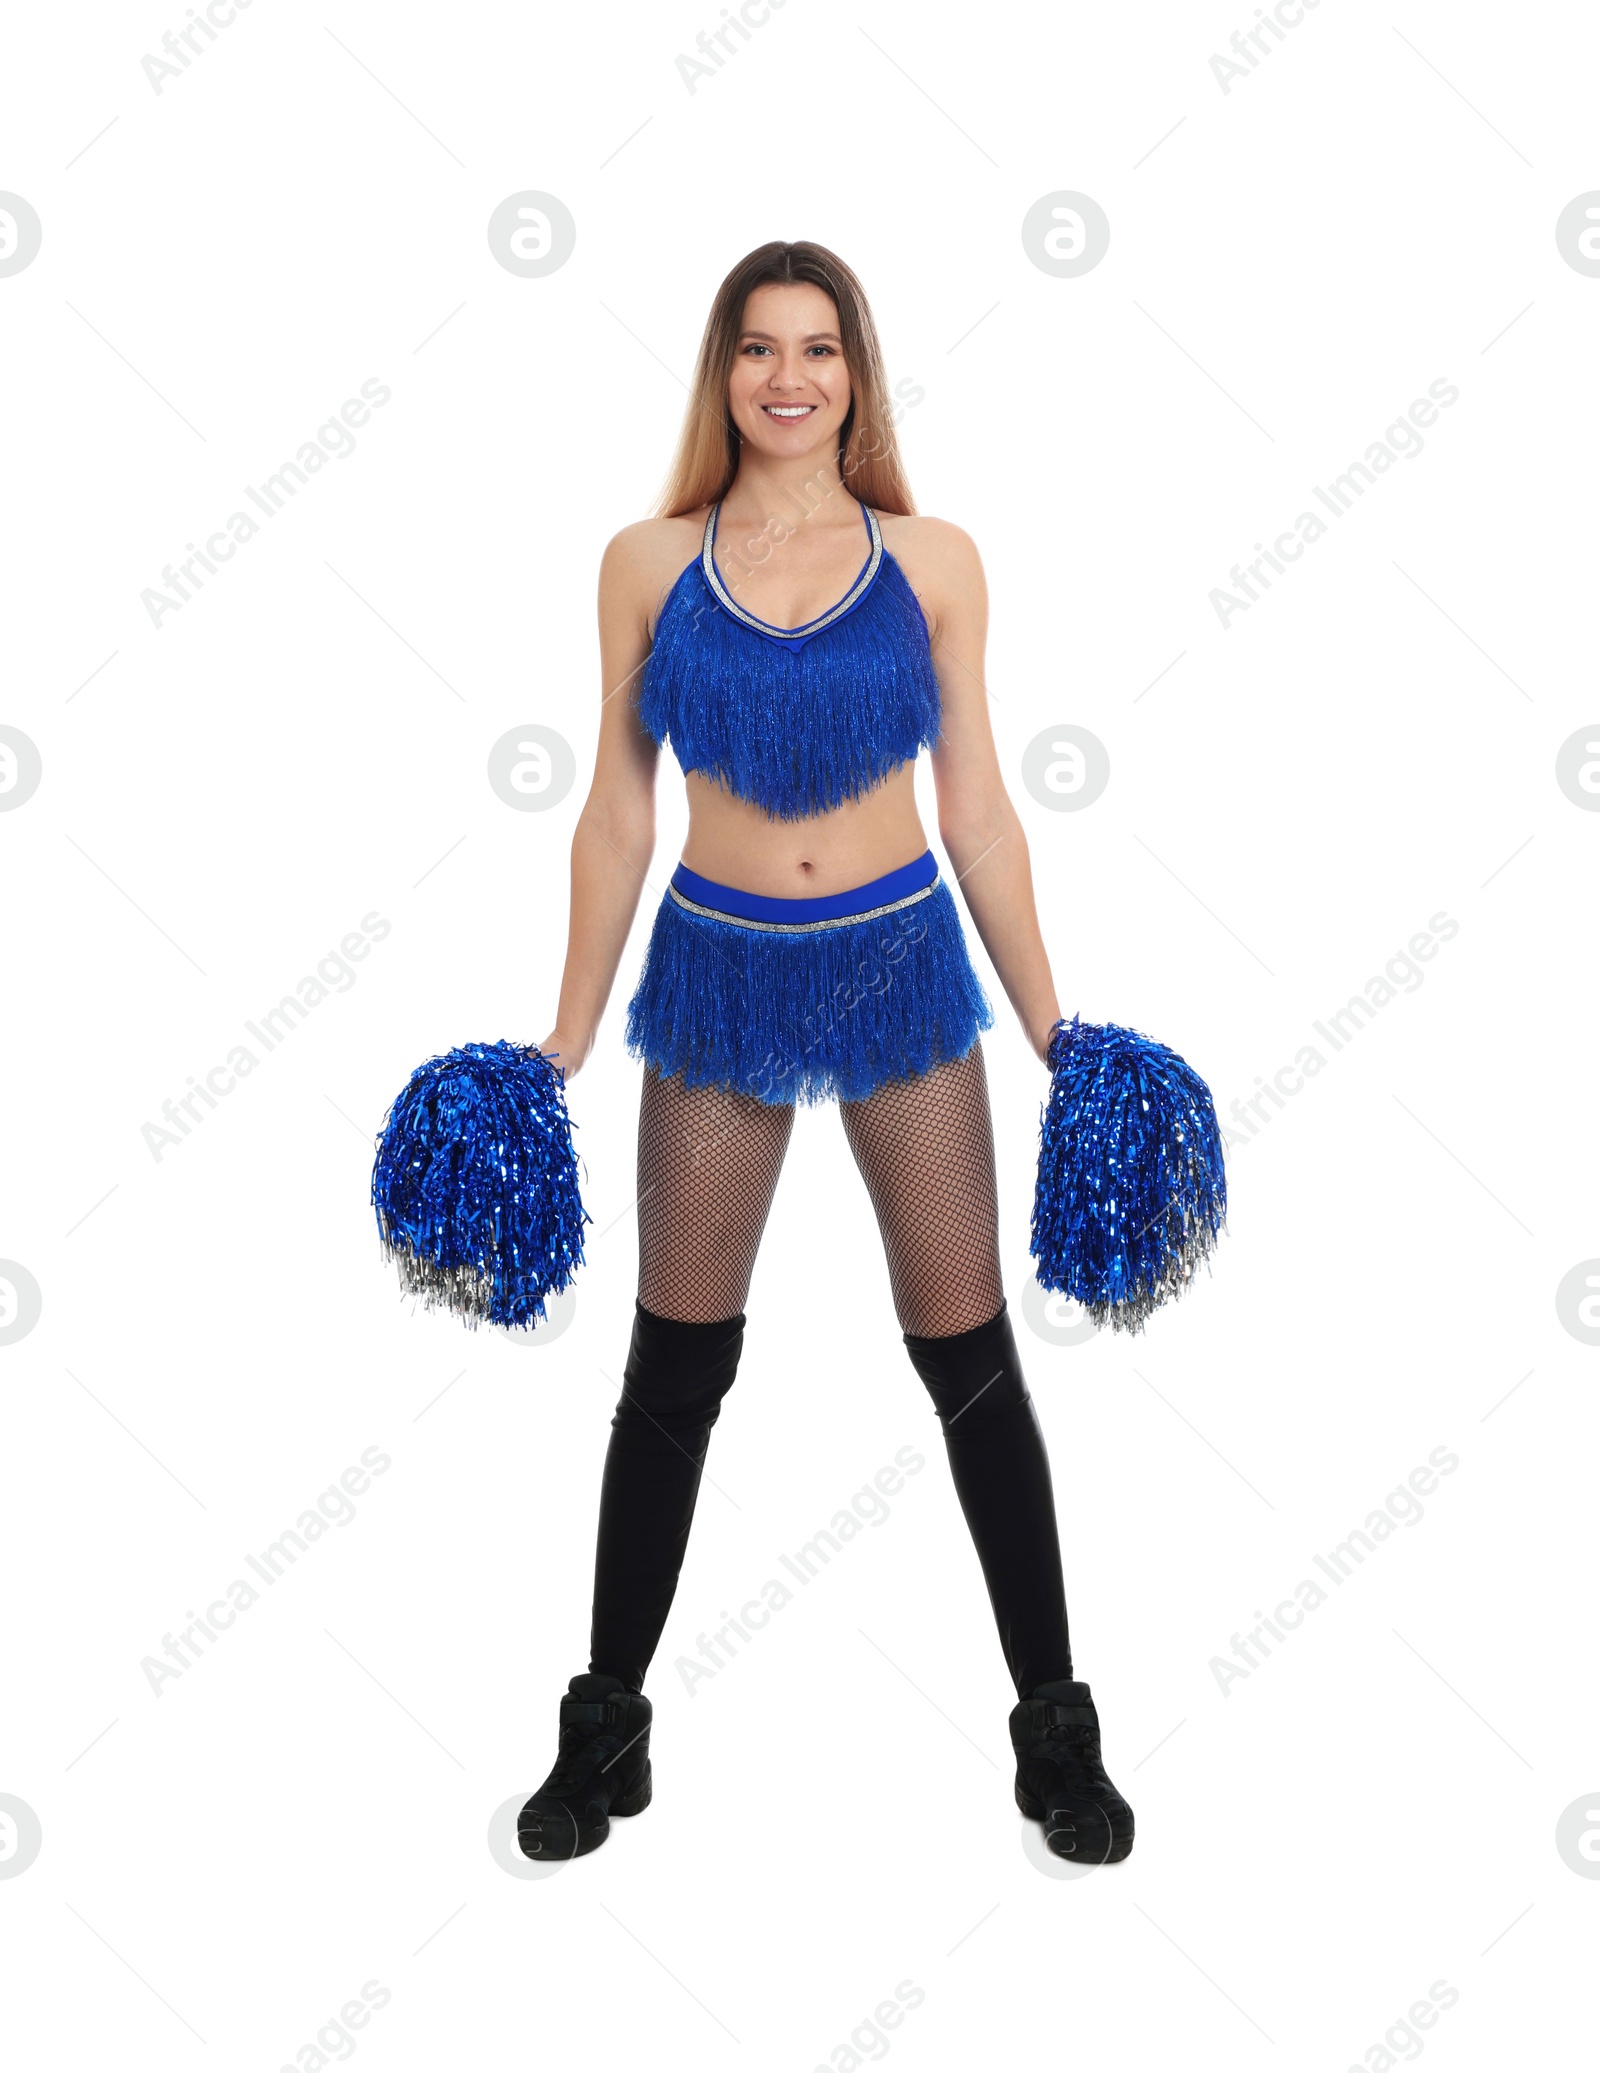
x=616, y=832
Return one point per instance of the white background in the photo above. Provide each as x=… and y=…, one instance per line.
x=1372, y=743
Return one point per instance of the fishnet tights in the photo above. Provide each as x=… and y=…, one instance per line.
x=925, y=1147
x=709, y=1161
x=708, y=1169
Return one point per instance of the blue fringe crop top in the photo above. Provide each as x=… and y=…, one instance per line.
x=799, y=719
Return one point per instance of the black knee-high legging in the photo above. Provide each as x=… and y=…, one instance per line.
x=1002, y=1477
x=674, y=1381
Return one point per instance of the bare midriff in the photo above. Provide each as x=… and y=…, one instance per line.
x=734, y=842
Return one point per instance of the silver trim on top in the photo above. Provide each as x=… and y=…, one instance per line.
x=790, y=633
x=797, y=928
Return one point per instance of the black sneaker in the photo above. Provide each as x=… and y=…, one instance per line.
x=1060, y=1778
x=603, y=1769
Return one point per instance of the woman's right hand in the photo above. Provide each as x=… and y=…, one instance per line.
x=566, y=1052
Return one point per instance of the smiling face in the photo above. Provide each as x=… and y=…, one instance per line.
x=789, y=388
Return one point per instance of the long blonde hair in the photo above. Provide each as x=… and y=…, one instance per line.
x=707, y=457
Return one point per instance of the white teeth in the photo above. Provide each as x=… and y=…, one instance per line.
x=788, y=409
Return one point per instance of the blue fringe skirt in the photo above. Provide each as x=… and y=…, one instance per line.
x=806, y=1000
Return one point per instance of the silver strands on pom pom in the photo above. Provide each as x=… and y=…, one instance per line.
x=475, y=1184
x=1131, y=1191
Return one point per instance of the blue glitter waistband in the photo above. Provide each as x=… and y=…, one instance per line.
x=897, y=888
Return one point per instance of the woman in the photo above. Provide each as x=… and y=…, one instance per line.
x=798, y=635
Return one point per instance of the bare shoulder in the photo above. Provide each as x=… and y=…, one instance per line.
x=643, y=561
x=940, y=560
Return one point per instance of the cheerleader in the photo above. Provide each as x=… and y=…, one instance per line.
x=798, y=636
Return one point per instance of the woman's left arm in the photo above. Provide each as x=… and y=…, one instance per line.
x=978, y=824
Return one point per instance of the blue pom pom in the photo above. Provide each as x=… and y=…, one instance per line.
x=1131, y=1192
x=475, y=1186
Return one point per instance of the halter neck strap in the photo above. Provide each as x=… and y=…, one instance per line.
x=852, y=597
